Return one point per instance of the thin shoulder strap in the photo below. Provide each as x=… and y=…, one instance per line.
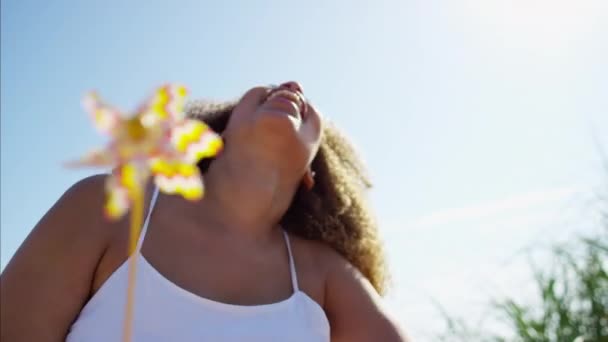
x=292, y=265
x=144, y=228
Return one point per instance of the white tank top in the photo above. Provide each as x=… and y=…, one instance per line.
x=166, y=312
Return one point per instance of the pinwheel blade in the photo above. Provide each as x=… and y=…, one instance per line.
x=98, y=158
x=166, y=104
x=176, y=177
x=194, y=140
x=105, y=118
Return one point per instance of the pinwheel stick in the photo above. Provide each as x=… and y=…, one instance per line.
x=137, y=212
x=160, y=141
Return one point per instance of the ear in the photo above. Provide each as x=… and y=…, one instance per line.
x=309, y=179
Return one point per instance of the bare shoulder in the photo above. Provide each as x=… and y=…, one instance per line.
x=313, y=252
x=353, y=307
x=77, y=214
x=328, y=261
x=82, y=207
x=48, y=280
x=308, y=257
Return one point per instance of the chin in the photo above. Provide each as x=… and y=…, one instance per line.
x=279, y=122
x=276, y=127
x=277, y=136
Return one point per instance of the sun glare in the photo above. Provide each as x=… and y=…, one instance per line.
x=545, y=24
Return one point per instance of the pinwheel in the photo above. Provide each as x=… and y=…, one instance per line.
x=157, y=141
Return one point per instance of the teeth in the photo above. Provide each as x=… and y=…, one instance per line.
x=289, y=95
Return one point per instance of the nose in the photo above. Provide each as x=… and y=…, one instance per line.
x=293, y=86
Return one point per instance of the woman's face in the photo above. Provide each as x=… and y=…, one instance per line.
x=275, y=125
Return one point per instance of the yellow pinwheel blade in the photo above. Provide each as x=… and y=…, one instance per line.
x=104, y=117
x=121, y=185
x=174, y=177
x=194, y=140
x=117, y=200
x=166, y=104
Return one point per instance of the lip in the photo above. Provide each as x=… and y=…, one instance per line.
x=287, y=101
x=284, y=105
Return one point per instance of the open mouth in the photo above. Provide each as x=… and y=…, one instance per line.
x=288, y=102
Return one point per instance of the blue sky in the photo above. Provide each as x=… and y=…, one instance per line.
x=480, y=120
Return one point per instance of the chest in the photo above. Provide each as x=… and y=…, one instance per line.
x=225, y=273
x=215, y=269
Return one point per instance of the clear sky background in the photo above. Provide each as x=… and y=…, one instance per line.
x=481, y=121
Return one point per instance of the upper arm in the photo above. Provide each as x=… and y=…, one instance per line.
x=354, y=307
x=48, y=280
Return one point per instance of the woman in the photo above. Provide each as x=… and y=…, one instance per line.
x=282, y=247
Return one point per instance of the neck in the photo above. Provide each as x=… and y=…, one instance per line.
x=242, y=198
